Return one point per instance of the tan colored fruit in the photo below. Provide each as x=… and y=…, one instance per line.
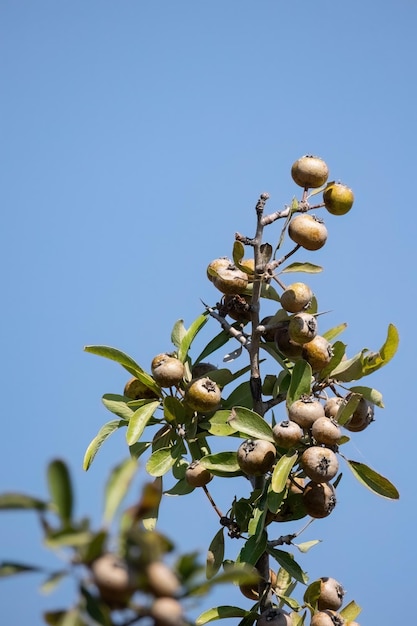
x=325, y=430
x=167, y=370
x=307, y=231
x=203, y=395
x=361, y=418
x=305, y=411
x=167, y=612
x=318, y=352
x=327, y=618
x=249, y=264
x=319, y=463
x=287, y=434
x=114, y=580
x=196, y=475
x=237, y=307
x=302, y=328
x=331, y=594
x=227, y=277
x=161, y=580
x=296, y=297
x=275, y=617
x=256, y=456
x=309, y=171
x=251, y=591
x=285, y=345
x=319, y=499
x=338, y=199
x=136, y=390
x=332, y=405
x=202, y=369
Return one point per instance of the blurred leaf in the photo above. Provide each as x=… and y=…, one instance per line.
x=72, y=617
x=178, y=333
x=222, y=464
x=10, y=568
x=190, y=335
x=221, y=612
x=307, y=545
x=15, y=501
x=95, y=547
x=161, y=461
x=373, y=481
x=250, y=424
x=351, y=611
x=372, y=395
x=308, y=268
x=117, y=405
x=68, y=539
x=253, y=549
x=116, y=487
x=347, y=409
x=139, y=421
x=334, y=332
x=104, y=432
x=286, y=560
x=60, y=489
x=153, y=491
x=281, y=472
x=94, y=609
x=53, y=581
x=300, y=382
x=53, y=618
x=215, y=554
x=297, y=619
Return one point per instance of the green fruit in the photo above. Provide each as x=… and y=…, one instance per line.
x=318, y=352
x=307, y=231
x=167, y=370
x=203, y=395
x=256, y=457
x=309, y=171
x=338, y=199
x=296, y=297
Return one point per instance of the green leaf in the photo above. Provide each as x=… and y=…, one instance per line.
x=372, y=395
x=181, y=488
x=117, y=405
x=308, y=268
x=68, y=539
x=52, y=581
x=60, y=489
x=241, y=395
x=10, y=568
x=347, y=409
x=104, y=432
x=178, y=333
x=190, y=335
x=217, y=342
x=219, y=425
x=238, y=252
x=174, y=410
x=351, y=611
x=312, y=593
x=94, y=609
x=339, y=350
x=222, y=377
x=350, y=369
x=286, y=560
x=281, y=472
x=334, y=332
x=138, y=448
x=161, y=461
x=72, y=617
x=373, y=481
x=16, y=501
x=385, y=354
x=221, y=612
x=253, y=549
x=116, y=355
x=150, y=518
x=250, y=424
x=139, y=421
x=222, y=464
x=116, y=487
x=215, y=554
x=300, y=382
x=306, y=545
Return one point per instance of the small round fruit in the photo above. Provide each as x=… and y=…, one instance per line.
x=307, y=231
x=325, y=430
x=256, y=456
x=113, y=579
x=287, y=434
x=161, y=580
x=251, y=591
x=331, y=594
x=302, y=328
x=227, y=277
x=296, y=297
x=275, y=617
x=320, y=464
x=167, y=612
x=338, y=199
x=237, y=307
x=167, y=370
x=203, y=395
x=196, y=475
x=305, y=411
x=332, y=406
x=309, y=171
x=319, y=499
x=327, y=618
x=285, y=345
x=318, y=352
x=361, y=418
x=136, y=390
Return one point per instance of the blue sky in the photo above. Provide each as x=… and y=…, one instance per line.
x=135, y=140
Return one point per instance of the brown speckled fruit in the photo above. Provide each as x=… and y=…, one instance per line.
x=305, y=411
x=361, y=418
x=302, y=328
x=196, y=475
x=296, y=297
x=167, y=370
x=331, y=594
x=325, y=430
x=320, y=464
x=287, y=434
x=256, y=456
x=308, y=231
x=251, y=591
x=136, y=390
x=338, y=199
x=309, y=171
x=332, y=405
x=226, y=276
x=275, y=617
x=318, y=352
x=237, y=307
x=319, y=499
x=327, y=618
x=203, y=395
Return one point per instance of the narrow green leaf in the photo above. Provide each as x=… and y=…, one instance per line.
x=253, y=549
x=215, y=554
x=161, y=461
x=15, y=501
x=217, y=342
x=372, y=395
x=385, y=354
x=347, y=409
x=178, y=333
x=222, y=464
x=116, y=487
x=351, y=611
x=373, y=481
x=312, y=593
x=174, y=410
x=300, y=382
x=286, y=560
x=238, y=252
x=60, y=489
x=139, y=421
x=52, y=581
x=117, y=405
x=339, y=350
x=68, y=539
x=181, y=488
x=334, y=332
x=116, y=355
x=10, y=568
x=281, y=472
x=241, y=395
x=104, y=432
x=220, y=612
x=351, y=369
x=190, y=335
x=94, y=609
x=151, y=517
x=53, y=618
x=250, y=424
x=308, y=268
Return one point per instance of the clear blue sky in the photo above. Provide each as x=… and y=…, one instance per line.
x=135, y=140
